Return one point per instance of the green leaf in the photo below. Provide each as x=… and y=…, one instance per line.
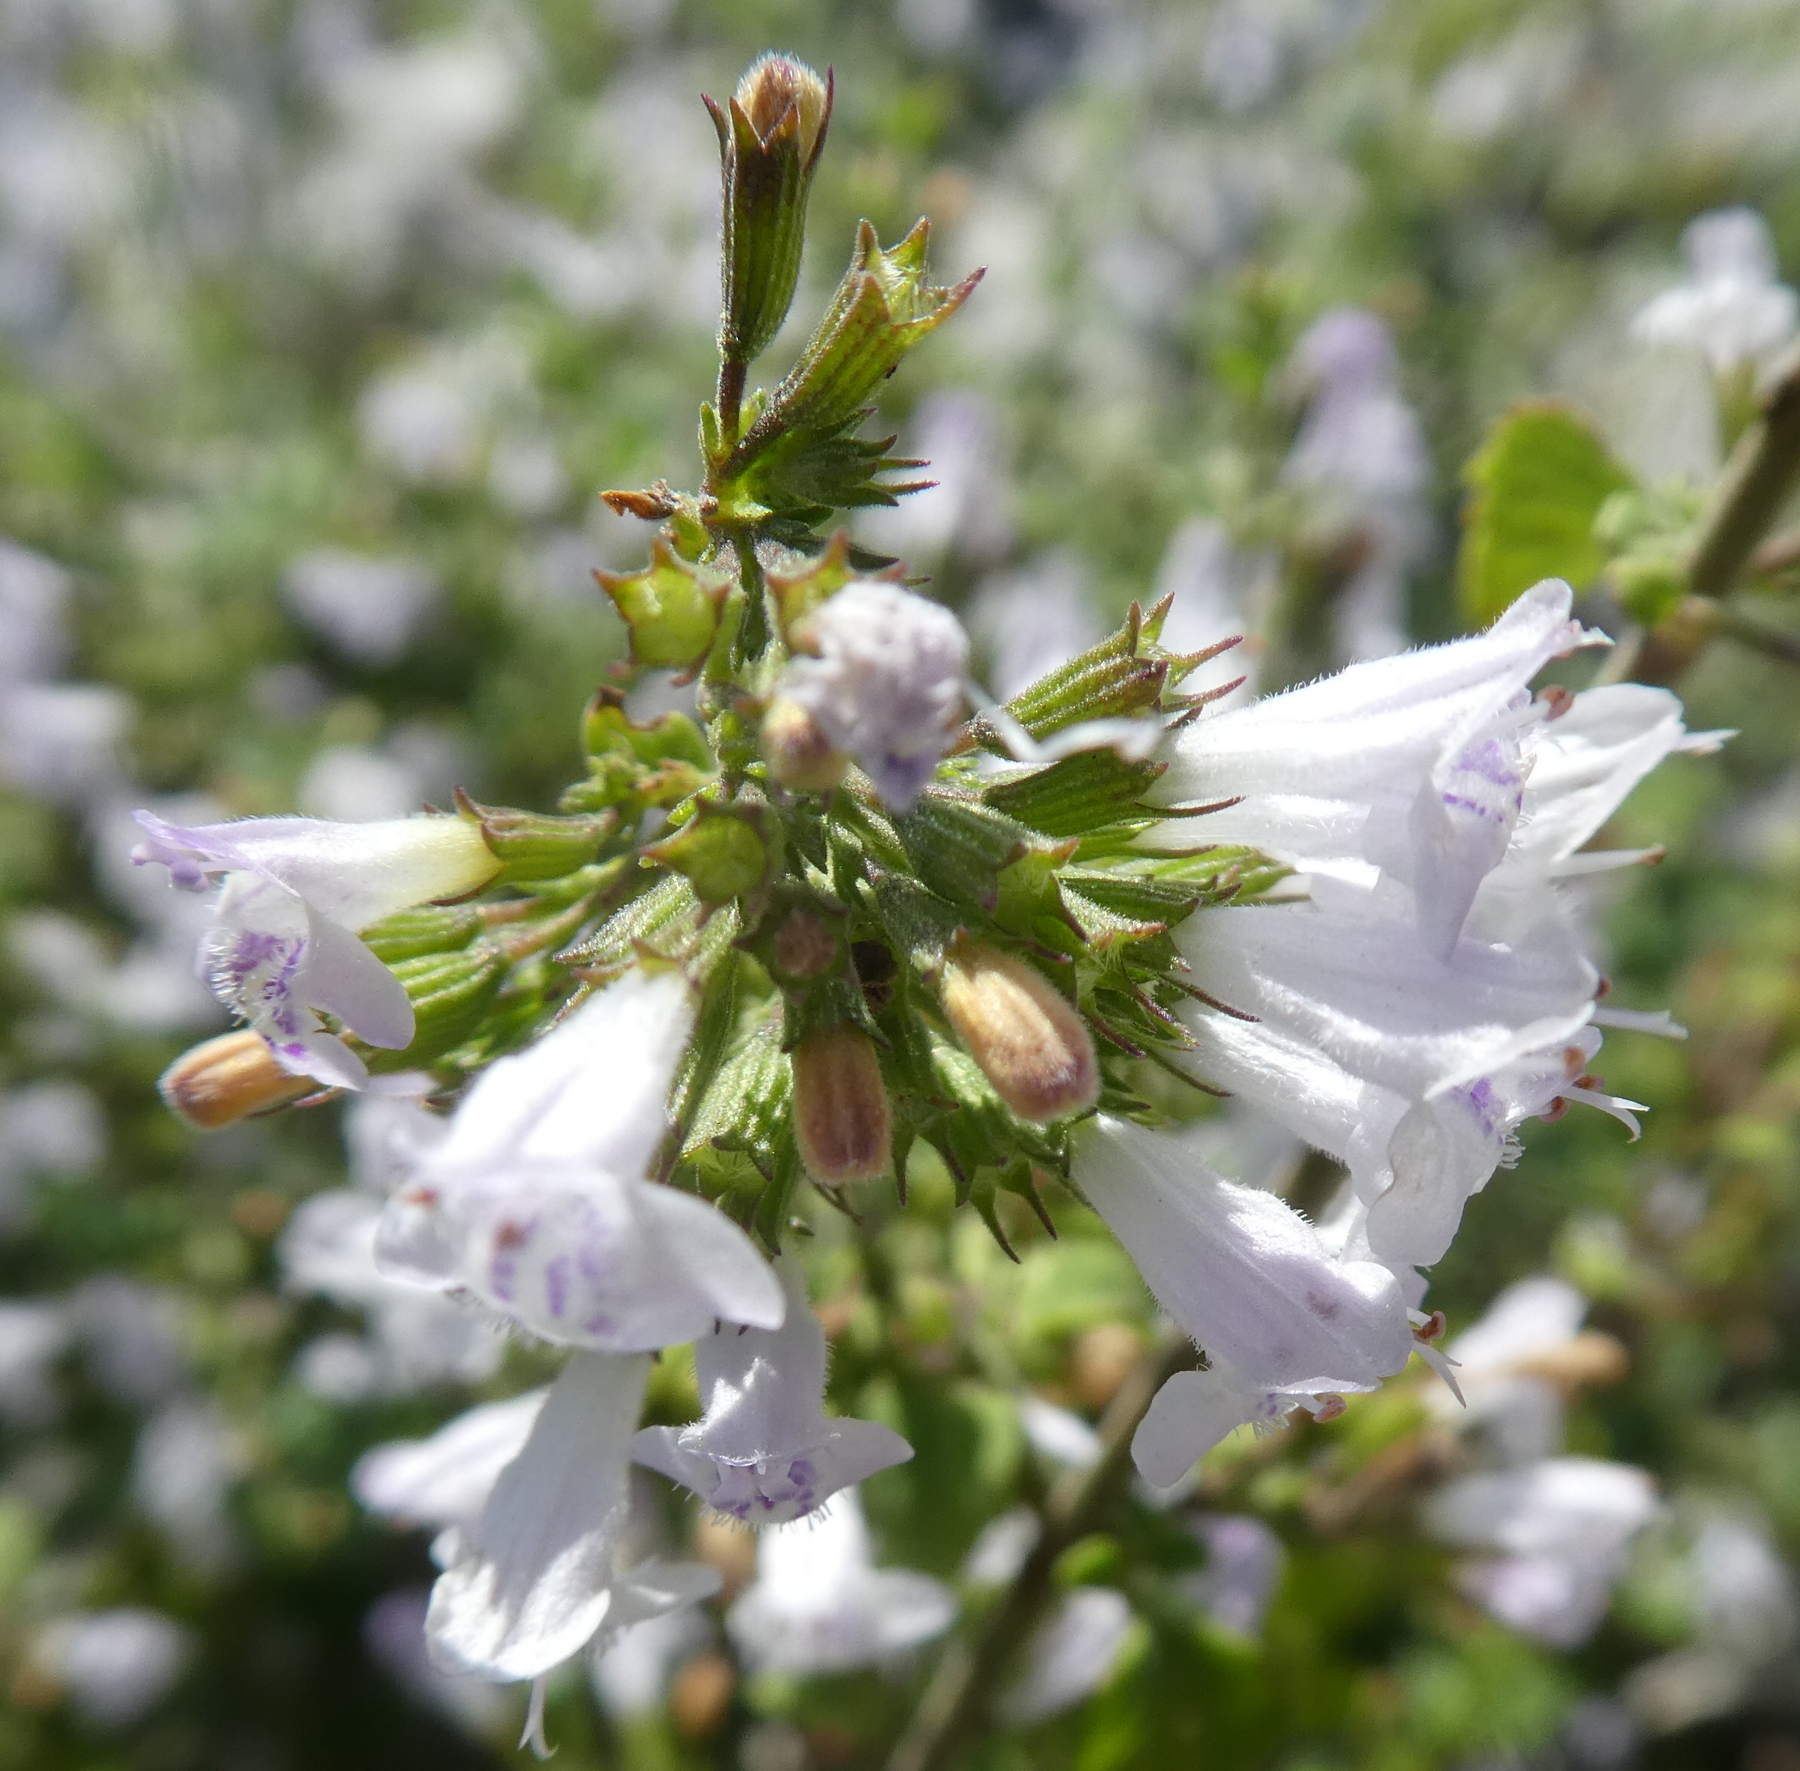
x=1536, y=485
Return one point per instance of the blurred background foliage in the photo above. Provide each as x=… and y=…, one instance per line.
x=322, y=322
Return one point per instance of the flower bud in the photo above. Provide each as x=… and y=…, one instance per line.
x=227, y=1079
x=805, y=946
x=841, y=1118
x=770, y=136
x=799, y=753
x=1030, y=1043
x=775, y=83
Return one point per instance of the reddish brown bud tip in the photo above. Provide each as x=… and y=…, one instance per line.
x=805, y=946
x=841, y=1118
x=775, y=84
x=227, y=1079
x=1029, y=1041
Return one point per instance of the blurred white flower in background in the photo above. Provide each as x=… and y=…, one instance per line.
x=114, y=1667
x=1559, y=1531
x=1732, y=307
x=820, y=1604
x=369, y=609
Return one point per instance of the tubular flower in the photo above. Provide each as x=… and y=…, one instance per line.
x=1284, y=1323
x=1436, y=990
x=282, y=948
x=762, y=1451
x=534, y=1202
x=531, y=1497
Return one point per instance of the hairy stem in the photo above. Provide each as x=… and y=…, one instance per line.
x=969, y=1675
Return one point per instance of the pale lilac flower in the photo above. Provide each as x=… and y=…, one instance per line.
x=762, y=1451
x=533, y=1199
x=1030, y=621
x=1732, y=307
x=1560, y=1530
x=282, y=947
x=33, y=1336
x=885, y=682
x=1360, y=456
x=819, y=1604
x=181, y=1478
x=1283, y=1322
x=630, y=1676
x=1244, y=1562
x=393, y=1635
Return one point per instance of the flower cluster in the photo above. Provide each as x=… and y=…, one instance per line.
x=822, y=930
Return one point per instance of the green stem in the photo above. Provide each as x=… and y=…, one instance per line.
x=733, y=372
x=953, y=1710
x=1755, y=485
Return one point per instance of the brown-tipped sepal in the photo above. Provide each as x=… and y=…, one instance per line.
x=227, y=1079
x=1027, y=1037
x=842, y=1122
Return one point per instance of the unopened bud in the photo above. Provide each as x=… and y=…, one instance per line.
x=798, y=752
x=841, y=1118
x=700, y=1695
x=775, y=84
x=770, y=135
x=1030, y=1043
x=1590, y=1359
x=805, y=946
x=227, y=1079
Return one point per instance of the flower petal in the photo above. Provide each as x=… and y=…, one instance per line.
x=533, y=1579
x=1241, y=1271
x=342, y=977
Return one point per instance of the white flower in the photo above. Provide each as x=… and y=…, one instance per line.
x=819, y=1604
x=33, y=1336
x=1283, y=1323
x=1518, y=1411
x=885, y=683
x=762, y=1451
x=1069, y=1656
x=1561, y=1528
x=327, y=1247
x=1319, y=773
x=1435, y=990
x=115, y=1666
x=534, y=1201
x=446, y=1479
x=1360, y=455
x=532, y=1551
x=370, y=609
x=282, y=947
x=1731, y=308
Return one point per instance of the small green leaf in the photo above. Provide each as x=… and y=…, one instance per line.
x=1536, y=486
